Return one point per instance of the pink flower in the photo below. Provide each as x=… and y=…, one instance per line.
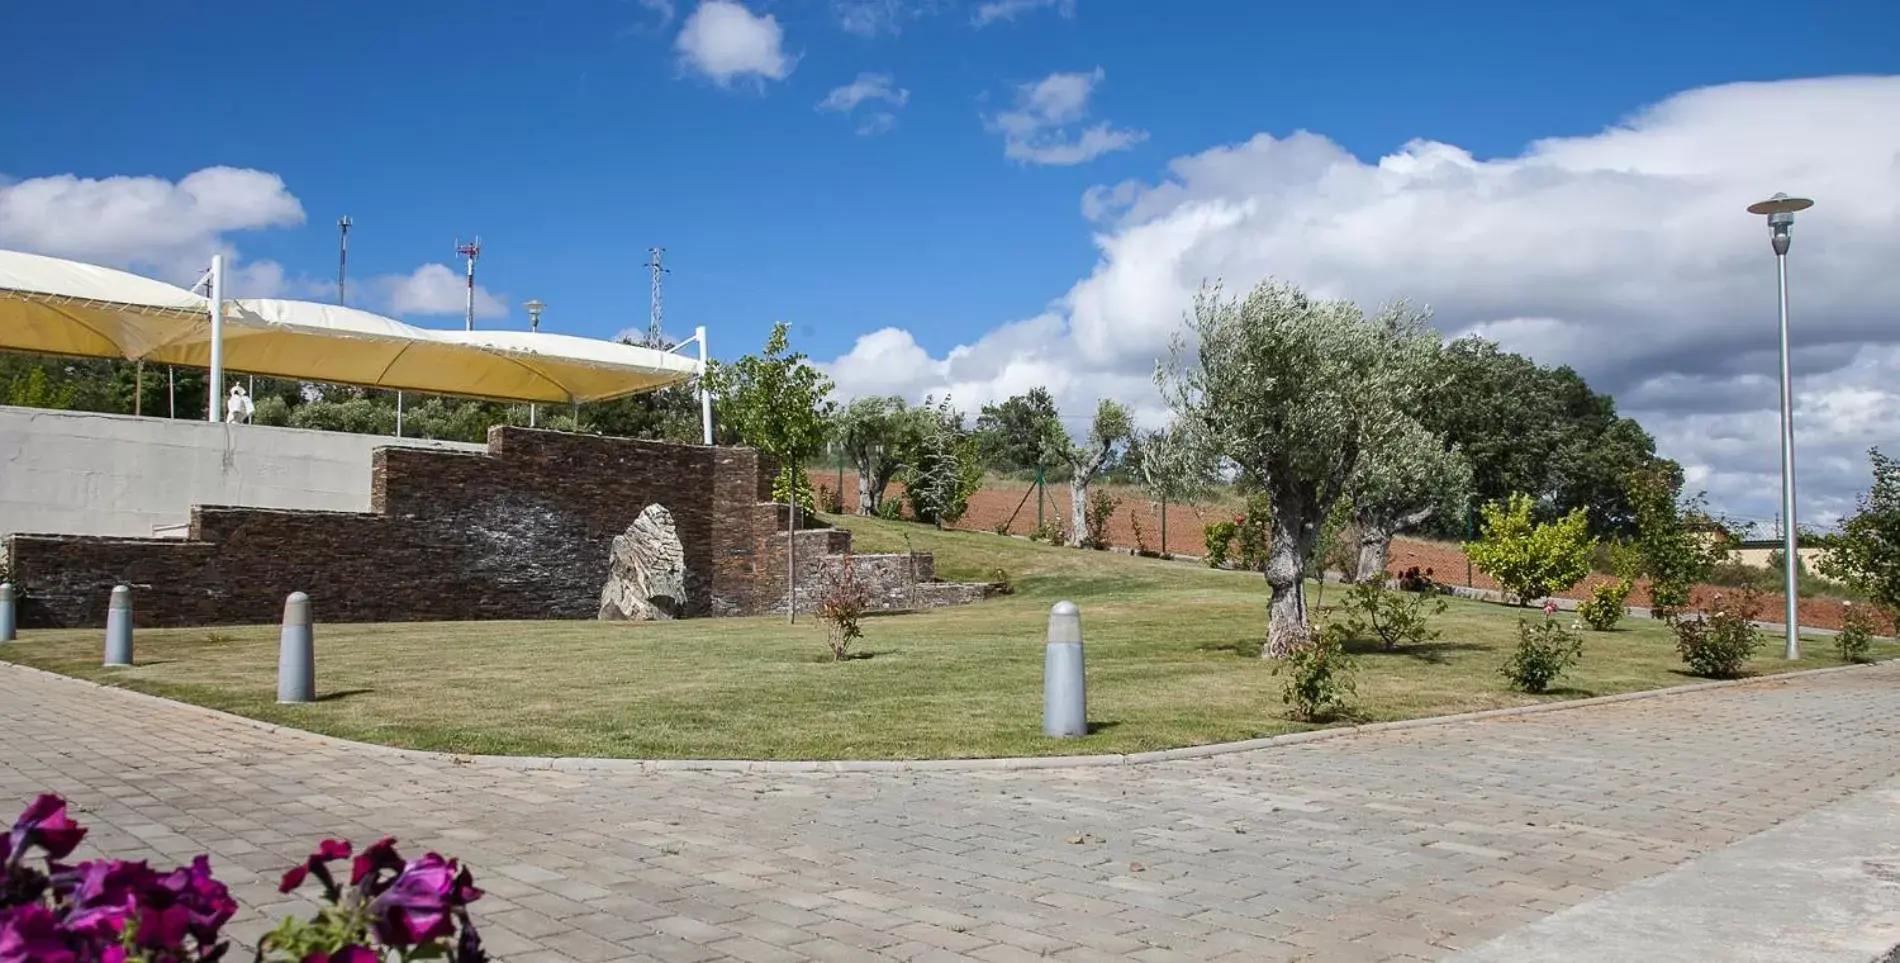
x=44, y=824
x=419, y=905
x=318, y=862
x=1550, y=606
x=30, y=934
x=348, y=954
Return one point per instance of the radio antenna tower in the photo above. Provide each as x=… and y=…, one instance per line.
x=654, y=309
x=472, y=250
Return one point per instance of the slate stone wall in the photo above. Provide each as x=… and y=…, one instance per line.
x=520, y=532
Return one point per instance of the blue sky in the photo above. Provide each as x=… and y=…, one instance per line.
x=573, y=136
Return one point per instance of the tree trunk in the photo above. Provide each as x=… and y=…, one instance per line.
x=866, y=504
x=1078, y=508
x=1293, y=535
x=1375, y=549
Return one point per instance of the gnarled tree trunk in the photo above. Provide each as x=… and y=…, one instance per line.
x=1293, y=536
x=866, y=504
x=1375, y=541
x=1078, y=510
x=1375, y=550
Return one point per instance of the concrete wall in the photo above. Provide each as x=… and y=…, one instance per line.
x=81, y=473
x=1758, y=557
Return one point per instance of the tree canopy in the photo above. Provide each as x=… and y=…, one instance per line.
x=1292, y=391
x=1023, y=432
x=1866, y=552
x=777, y=402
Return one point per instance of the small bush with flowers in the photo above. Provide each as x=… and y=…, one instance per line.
x=119, y=911
x=1719, y=644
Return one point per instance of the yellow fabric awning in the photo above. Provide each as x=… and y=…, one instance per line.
x=55, y=306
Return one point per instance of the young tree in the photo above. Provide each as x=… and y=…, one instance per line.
x=1022, y=432
x=1866, y=552
x=1111, y=427
x=1292, y=391
x=1678, y=543
x=1528, y=559
x=943, y=464
x=776, y=402
x=875, y=434
x=1401, y=484
x=1172, y=468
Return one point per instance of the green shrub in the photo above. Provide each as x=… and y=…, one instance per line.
x=1219, y=539
x=1544, y=650
x=1049, y=531
x=1377, y=613
x=1719, y=644
x=1532, y=560
x=1607, y=604
x=1856, y=638
x=999, y=577
x=1319, y=677
x=1101, y=507
x=891, y=509
x=1252, y=536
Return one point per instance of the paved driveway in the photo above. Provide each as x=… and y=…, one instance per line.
x=1394, y=845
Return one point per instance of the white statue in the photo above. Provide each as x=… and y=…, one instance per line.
x=238, y=407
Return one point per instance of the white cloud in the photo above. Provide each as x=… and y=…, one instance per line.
x=435, y=289
x=868, y=87
x=1625, y=254
x=1039, y=128
x=725, y=41
x=995, y=10
x=148, y=224
x=663, y=9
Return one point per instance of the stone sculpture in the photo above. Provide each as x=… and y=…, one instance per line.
x=646, y=571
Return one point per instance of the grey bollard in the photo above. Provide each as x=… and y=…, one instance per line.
x=119, y=627
x=9, y=612
x=1065, y=704
x=296, y=653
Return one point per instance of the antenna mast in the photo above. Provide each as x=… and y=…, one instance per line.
x=472, y=251
x=342, y=254
x=654, y=309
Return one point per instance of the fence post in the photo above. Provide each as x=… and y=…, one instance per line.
x=1064, y=694
x=119, y=627
x=296, y=653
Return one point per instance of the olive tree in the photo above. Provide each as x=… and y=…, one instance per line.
x=1173, y=468
x=875, y=433
x=1111, y=427
x=1401, y=484
x=1293, y=391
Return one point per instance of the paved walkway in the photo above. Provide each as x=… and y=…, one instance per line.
x=1409, y=844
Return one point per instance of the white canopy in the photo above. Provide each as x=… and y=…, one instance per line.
x=55, y=306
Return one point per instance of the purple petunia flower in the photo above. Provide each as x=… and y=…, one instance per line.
x=44, y=824
x=327, y=851
x=348, y=954
x=417, y=907
x=30, y=934
x=375, y=858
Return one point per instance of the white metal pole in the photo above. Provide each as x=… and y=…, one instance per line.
x=1790, y=561
x=214, y=412
x=705, y=397
x=399, y=414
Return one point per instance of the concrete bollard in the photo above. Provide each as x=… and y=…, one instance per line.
x=119, y=627
x=296, y=653
x=9, y=612
x=1065, y=704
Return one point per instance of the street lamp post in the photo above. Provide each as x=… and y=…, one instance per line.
x=1781, y=210
x=535, y=307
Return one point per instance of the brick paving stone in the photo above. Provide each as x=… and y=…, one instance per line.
x=1414, y=842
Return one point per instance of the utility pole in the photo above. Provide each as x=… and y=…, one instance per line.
x=654, y=308
x=472, y=251
x=342, y=255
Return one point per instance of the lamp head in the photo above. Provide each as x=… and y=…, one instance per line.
x=1780, y=210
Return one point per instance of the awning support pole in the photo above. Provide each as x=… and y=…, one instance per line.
x=215, y=411
x=705, y=397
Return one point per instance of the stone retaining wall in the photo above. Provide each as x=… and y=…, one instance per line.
x=521, y=531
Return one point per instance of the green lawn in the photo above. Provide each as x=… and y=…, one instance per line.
x=1170, y=650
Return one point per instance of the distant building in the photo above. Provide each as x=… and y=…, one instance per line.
x=1756, y=552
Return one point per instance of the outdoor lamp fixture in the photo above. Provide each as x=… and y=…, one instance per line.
x=534, y=315
x=1780, y=210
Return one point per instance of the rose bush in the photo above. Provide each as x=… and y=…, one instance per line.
x=120, y=911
